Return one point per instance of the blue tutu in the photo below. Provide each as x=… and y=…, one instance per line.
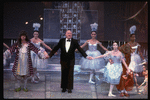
x=95, y=64
x=112, y=73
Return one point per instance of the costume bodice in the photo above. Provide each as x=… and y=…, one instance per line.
x=92, y=47
x=116, y=59
x=135, y=48
x=36, y=44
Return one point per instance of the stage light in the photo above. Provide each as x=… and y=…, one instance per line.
x=26, y=22
x=41, y=18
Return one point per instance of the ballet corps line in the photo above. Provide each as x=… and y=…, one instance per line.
x=122, y=67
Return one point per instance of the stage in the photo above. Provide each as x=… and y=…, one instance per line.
x=49, y=85
x=113, y=21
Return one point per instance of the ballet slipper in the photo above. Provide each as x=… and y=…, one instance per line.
x=91, y=82
x=37, y=75
x=33, y=81
x=111, y=95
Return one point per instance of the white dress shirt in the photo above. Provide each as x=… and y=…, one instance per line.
x=67, y=44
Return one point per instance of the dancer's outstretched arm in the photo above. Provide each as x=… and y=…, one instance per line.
x=39, y=52
x=100, y=44
x=101, y=56
x=83, y=45
x=6, y=45
x=143, y=82
x=45, y=45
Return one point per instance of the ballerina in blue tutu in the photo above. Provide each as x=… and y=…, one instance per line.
x=96, y=64
x=112, y=72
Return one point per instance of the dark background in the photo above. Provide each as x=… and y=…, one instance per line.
x=110, y=19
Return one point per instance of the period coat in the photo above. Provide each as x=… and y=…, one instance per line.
x=15, y=48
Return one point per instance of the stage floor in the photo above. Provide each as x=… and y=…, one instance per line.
x=49, y=87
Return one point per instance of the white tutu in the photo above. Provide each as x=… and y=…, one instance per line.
x=94, y=64
x=135, y=61
x=4, y=62
x=112, y=73
x=6, y=58
x=36, y=61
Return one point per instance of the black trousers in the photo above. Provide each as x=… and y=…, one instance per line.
x=67, y=74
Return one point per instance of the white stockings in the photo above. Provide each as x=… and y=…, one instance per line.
x=91, y=76
x=110, y=91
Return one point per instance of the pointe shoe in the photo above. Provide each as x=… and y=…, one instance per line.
x=91, y=82
x=33, y=81
x=111, y=95
x=38, y=76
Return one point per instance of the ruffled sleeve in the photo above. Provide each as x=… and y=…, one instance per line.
x=107, y=57
x=122, y=56
x=7, y=54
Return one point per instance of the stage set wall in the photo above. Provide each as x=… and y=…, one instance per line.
x=109, y=16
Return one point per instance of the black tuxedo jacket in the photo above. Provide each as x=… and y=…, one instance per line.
x=70, y=55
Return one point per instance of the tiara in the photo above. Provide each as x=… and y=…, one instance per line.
x=94, y=27
x=132, y=29
x=36, y=26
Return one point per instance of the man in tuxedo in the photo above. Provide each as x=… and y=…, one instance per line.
x=68, y=46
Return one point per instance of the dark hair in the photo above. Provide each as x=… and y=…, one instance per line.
x=35, y=31
x=131, y=35
x=22, y=33
x=93, y=31
x=145, y=66
x=115, y=42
